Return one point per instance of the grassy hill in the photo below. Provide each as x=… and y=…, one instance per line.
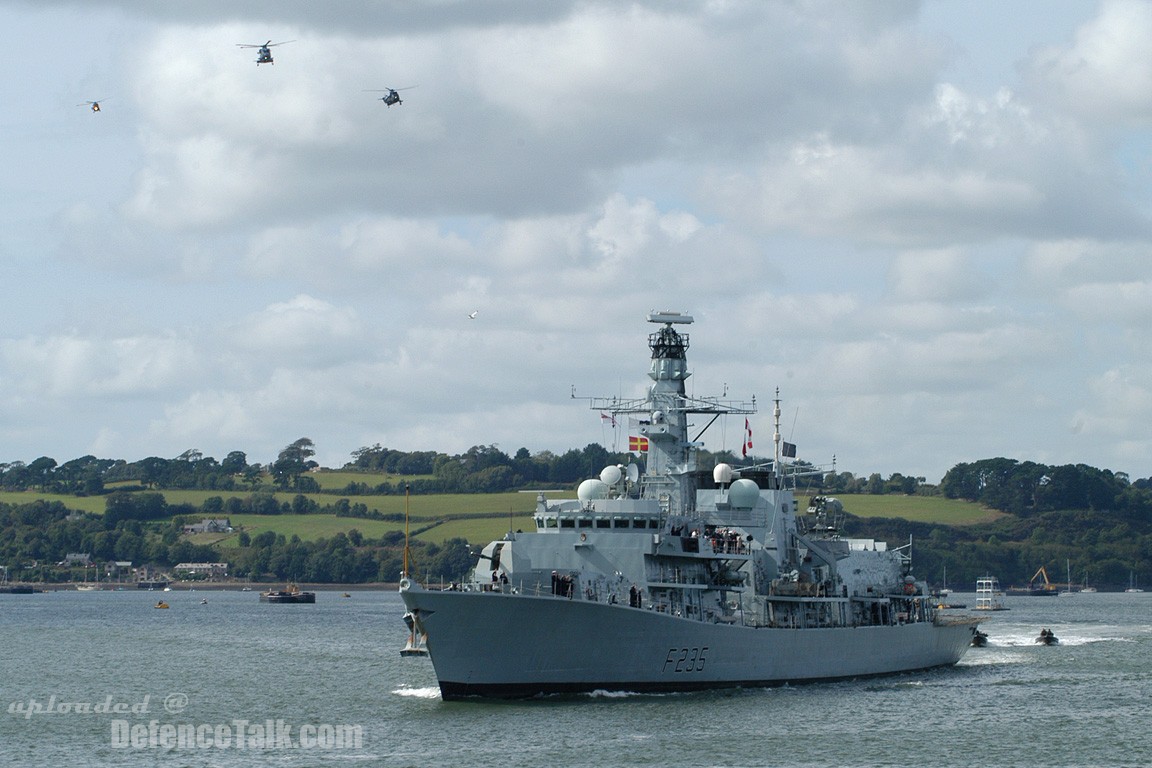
x=479, y=518
x=918, y=509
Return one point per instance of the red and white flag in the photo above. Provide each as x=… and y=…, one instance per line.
x=747, y=439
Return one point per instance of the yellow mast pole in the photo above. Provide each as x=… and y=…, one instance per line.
x=406, y=488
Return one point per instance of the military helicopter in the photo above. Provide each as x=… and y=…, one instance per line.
x=391, y=95
x=93, y=105
x=263, y=54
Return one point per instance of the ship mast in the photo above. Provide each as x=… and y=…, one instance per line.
x=660, y=418
x=671, y=458
x=776, y=440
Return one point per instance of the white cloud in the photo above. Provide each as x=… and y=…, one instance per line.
x=930, y=231
x=72, y=365
x=947, y=275
x=1103, y=77
x=303, y=327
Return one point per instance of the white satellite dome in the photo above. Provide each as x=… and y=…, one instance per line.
x=743, y=493
x=610, y=475
x=722, y=474
x=592, y=489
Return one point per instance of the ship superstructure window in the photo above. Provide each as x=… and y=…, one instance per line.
x=552, y=522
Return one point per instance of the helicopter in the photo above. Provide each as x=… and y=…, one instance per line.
x=263, y=54
x=391, y=95
x=93, y=105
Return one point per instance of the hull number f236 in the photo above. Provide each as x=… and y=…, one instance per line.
x=685, y=659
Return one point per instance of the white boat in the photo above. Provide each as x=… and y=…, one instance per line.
x=673, y=578
x=87, y=586
x=1069, y=589
x=944, y=591
x=1132, y=583
x=989, y=596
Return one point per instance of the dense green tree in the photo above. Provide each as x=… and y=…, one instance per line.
x=293, y=461
x=41, y=470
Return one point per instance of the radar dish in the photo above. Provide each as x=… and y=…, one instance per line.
x=743, y=494
x=633, y=473
x=591, y=489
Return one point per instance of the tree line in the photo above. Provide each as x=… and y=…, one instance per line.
x=141, y=529
x=480, y=469
x=1095, y=521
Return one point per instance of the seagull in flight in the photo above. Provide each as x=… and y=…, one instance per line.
x=473, y=313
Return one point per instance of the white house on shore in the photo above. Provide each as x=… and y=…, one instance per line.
x=213, y=525
x=210, y=571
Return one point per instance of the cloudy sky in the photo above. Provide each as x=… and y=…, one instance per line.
x=927, y=224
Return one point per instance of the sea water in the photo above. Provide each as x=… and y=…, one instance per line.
x=105, y=678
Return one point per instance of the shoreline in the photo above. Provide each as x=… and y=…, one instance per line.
x=212, y=586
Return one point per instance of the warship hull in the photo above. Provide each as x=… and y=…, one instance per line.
x=519, y=646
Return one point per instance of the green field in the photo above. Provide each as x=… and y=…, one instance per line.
x=307, y=527
x=81, y=503
x=488, y=516
x=918, y=509
x=335, y=479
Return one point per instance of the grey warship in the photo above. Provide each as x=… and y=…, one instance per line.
x=670, y=578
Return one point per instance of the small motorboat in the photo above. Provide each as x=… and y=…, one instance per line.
x=415, y=644
x=1046, y=637
x=204, y=601
x=161, y=604
x=290, y=594
x=979, y=639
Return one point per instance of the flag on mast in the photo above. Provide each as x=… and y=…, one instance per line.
x=747, y=439
x=608, y=417
x=637, y=444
